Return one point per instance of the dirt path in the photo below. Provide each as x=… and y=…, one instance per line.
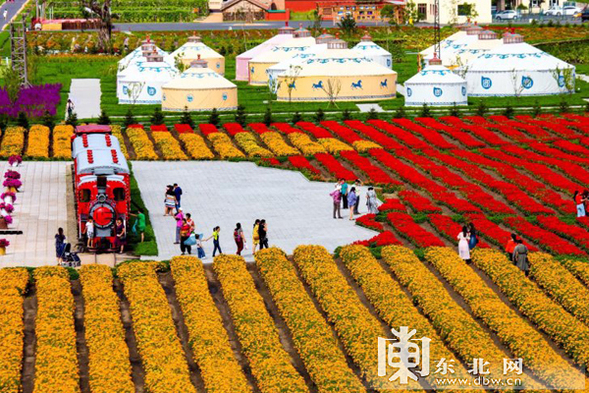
x=138, y=374
x=167, y=282
x=82, y=348
x=30, y=340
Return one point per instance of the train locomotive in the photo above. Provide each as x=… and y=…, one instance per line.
x=101, y=183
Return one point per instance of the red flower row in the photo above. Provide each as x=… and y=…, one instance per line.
x=259, y=128
x=207, y=129
x=233, y=128
x=375, y=135
x=492, y=231
x=480, y=132
x=461, y=136
x=385, y=238
x=418, y=203
x=534, y=131
x=560, y=129
x=341, y=131
x=374, y=173
x=547, y=240
x=334, y=167
x=183, y=128
x=392, y=204
x=450, y=228
x=404, y=224
x=314, y=130
x=301, y=163
x=556, y=153
x=430, y=135
x=285, y=128
x=572, y=232
x=369, y=221
x=400, y=134
x=572, y=147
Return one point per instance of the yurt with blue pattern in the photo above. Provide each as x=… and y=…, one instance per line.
x=373, y=51
x=195, y=49
x=518, y=69
x=435, y=85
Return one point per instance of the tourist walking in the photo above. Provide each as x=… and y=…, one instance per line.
x=371, y=201
x=59, y=244
x=179, y=222
x=520, y=257
x=177, y=194
x=139, y=225
x=510, y=246
x=190, y=222
x=474, y=237
x=263, y=234
x=121, y=235
x=463, y=241
x=5, y=14
x=336, y=195
x=580, y=202
x=169, y=201
x=357, y=186
x=70, y=104
x=185, y=232
x=239, y=238
x=344, y=191
x=90, y=232
x=255, y=236
x=352, y=201
x=216, y=243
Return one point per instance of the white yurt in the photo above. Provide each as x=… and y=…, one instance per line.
x=258, y=65
x=199, y=89
x=448, y=50
x=140, y=54
x=338, y=74
x=486, y=41
x=518, y=69
x=141, y=82
x=373, y=51
x=285, y=33
x=195, y=48
x=435, y=85
x=447, y=42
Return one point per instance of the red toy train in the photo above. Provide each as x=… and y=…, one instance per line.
x=101, y=183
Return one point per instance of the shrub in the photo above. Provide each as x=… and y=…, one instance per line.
x=48, y=120
x=481, y=109
x=129, y=119
x=454, y=111
x=508, y=111
x=158, y=117
x=563, y=106
x=103, y=119
x=241, y=116
x=425, y=111
x=214, y=118
x=186, y=118
x=22, y=120
x=346, y=115
x=319, y=116
x=268, y=117
x=72, y=120
x=400, y=113
x=296, y=118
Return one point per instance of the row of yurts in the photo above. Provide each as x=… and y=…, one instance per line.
x=299, y=67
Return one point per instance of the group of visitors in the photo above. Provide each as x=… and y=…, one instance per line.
x=347, y=196
x=582, y=201
x=517, y=252
x=467, y=241
x=172, y=199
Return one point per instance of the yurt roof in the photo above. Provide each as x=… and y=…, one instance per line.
x=476, y=48
x=310, y=52
x=149, y=71
x=285, y=50
x=196, y=78
x=137, y=55
x=370, y=48
x=445, y=43
x=266, y=46
x=342, y=62
x=517, y=56
x=191, y=50
x=435, y=75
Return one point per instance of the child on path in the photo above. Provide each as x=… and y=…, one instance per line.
x=215, y=237
x=90, y=232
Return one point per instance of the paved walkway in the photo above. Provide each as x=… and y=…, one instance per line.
x=39, y=210
x=12, y=8
x=222, y=193
x=85, y=94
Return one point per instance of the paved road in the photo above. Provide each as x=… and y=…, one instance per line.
x=85, y=94
x=13, y=8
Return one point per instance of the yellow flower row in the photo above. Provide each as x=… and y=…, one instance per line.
x=514, y=331
x=196, y=147
x=116, y=131
x=109, y=366
x=270, y=363
x=208, y=339
x=250, y=146
x=458, y=328
x=143, y=147
x=364, y=146
x=38, y=146
x=161, y=353
x=394, y=307
x=305, y=144
x=312, y=336
x=579, y=269
x=548, y=315
x=560, y=284
x=62, y=145
x=357, y=329
x=334, y=146
x=13, y=141
x=56, y=363
x=223, y=146
x=275, y=143
x=13, y=283
x=168, y=145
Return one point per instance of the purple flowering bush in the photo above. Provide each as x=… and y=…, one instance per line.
x=34, y=101
x=15, y=159
x=8, y=207
x=12, y=183
x=12, y=174
x=4, y=243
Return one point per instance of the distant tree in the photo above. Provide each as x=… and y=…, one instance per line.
x=241, y=116
x=372, y=114
x=481, y=108
x=454, y=111
x=400, y=113
x=508, y=112
x=71, y=120
x=425, y=111
x=22, y=120
x=346, y=115
x=319, y=116
x=296, y=118
x=348, y=25
x=158, y=117
x=129, y=119
x=563, y=106
x=48, y=120
x=268, y=117
x=537, y=109
x=102, y=10
x=187, y=118
x=12, y=83
x=103, y=119
x=214, y=118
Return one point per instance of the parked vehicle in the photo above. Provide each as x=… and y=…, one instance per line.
x=507, y=15
x=585, y=15
x=555, y=11
x=571, y=10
